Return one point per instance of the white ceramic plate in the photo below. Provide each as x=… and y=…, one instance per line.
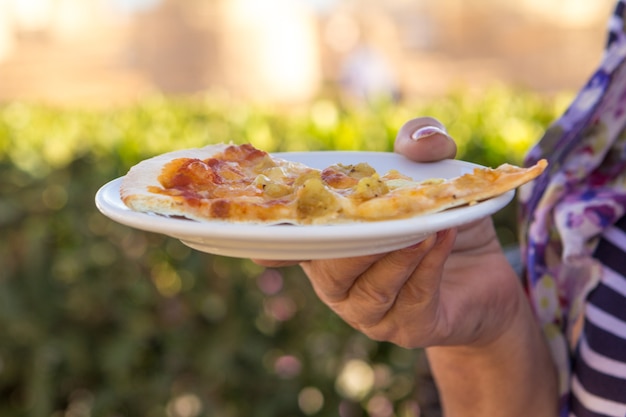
x=288, y=242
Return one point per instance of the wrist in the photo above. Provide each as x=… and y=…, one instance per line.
x=509, y=374
x=496, y=304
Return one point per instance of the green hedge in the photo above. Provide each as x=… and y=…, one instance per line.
x=98, y=319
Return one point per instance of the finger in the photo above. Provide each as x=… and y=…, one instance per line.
x=424, y=140
x=422, y=286
x=419, y=297
x=332, y=278
x=376, y=290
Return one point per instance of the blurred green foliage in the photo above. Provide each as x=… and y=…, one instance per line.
x=101, y=320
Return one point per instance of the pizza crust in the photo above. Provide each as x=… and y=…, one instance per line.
x=134, y=190
x=424, y=198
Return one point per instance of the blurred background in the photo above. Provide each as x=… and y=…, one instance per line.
x=100, y=320
x=107, y=51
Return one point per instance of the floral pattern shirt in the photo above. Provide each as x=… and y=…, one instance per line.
x=566, y=212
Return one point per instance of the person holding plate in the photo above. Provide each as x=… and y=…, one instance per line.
x=552, y=343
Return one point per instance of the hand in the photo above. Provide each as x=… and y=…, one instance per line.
x=455, y=294
x=454, y=288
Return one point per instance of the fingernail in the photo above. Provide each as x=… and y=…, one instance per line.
x=427, y=131
x=419, y=244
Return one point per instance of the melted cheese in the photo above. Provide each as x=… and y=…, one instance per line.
x=313, y=194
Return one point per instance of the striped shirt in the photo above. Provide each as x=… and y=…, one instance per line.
x=599, y=366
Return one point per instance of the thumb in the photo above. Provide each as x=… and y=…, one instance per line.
x=424, y=140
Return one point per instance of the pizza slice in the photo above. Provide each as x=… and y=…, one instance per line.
x=242, y=184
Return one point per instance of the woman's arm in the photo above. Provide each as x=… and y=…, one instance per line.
x=509, y=376
x=507, y=370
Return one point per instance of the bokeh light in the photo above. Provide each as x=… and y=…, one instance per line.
x=355, y=380
x=310, y=400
